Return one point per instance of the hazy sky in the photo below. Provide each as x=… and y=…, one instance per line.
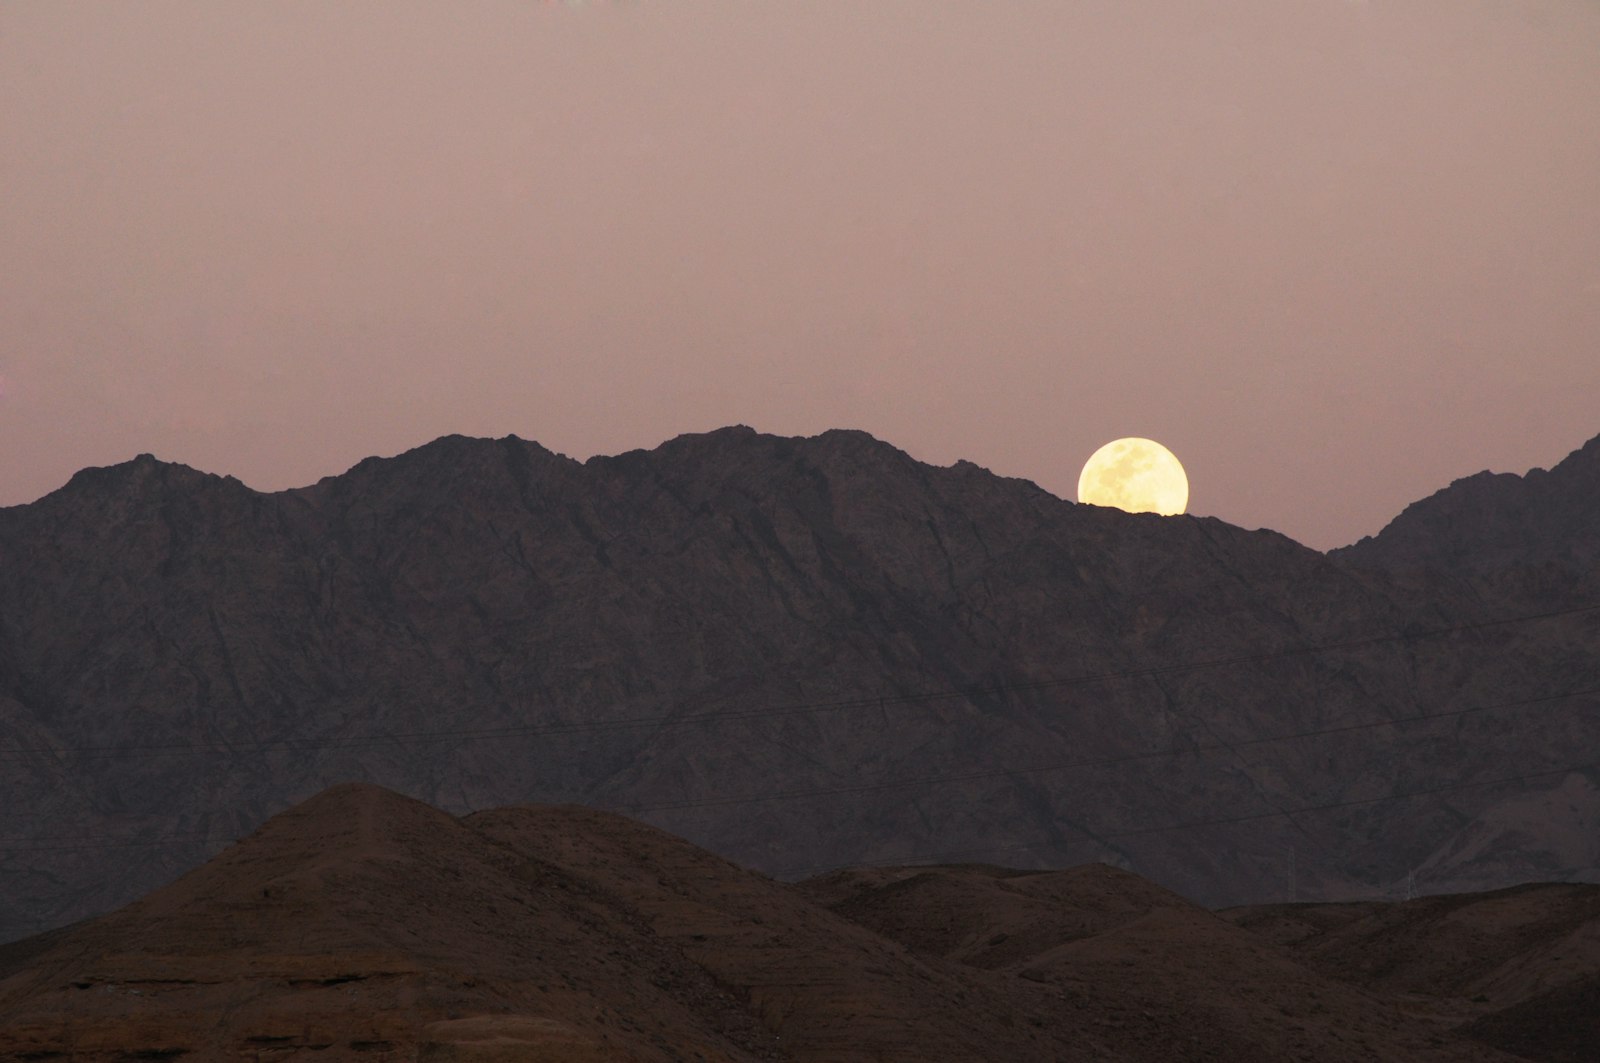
x=1332, y=253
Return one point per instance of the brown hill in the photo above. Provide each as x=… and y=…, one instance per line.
x=1138, y=960
x=363, y=925
x=1521, y=965
x=800, y=653
x=370, y=924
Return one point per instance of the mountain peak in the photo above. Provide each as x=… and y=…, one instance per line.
x=355, y=805
x=1493, y=522
x=1583, y=462
x=137, y=472
x=343, y=825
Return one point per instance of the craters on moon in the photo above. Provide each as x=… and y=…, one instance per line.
x=1137, y=475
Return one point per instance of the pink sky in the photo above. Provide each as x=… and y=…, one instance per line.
x=1333, y=254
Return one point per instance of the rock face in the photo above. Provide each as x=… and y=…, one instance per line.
x=1535, y=536
x=362, y=925
x=800, y=653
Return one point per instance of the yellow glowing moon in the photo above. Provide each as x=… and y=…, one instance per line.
x=1138, y=475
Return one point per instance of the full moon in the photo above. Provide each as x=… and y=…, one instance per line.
x=1138, y=475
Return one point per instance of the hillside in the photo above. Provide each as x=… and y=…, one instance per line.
x=362, y=925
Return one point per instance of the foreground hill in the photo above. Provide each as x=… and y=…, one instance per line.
x=363, y=925
x=800, y=653
x=1518, y=968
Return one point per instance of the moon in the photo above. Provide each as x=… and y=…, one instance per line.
x=1137, y=475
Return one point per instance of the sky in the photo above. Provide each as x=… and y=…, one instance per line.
x=1334, y=254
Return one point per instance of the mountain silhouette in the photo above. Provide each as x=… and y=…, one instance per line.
x=1531, y=538
x=798, y=653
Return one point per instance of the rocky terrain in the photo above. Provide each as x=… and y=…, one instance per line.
x=1518, y=968
x=1494, y=524
x=363, y=925
x=801, y=654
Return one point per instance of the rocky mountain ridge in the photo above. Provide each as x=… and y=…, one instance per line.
x=800, y=653
x=1530, y=537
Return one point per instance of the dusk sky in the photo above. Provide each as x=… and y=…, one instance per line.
x=1334, y=254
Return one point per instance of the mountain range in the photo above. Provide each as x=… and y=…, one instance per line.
x=801, y=654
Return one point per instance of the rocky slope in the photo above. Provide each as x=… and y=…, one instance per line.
x=361, y=925
x=800, y=653
x=1534, y=537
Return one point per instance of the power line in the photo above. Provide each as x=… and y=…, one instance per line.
x=188, y=837
x=1221, y=821
x=928, y=858
x=795, y=709
x=108, y=837
x=1019, y=772
x=163, y=840
x=1103, y=762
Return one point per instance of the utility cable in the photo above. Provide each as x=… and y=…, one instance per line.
x=1035, y=770
x=796, y=709
x=1102, y=762
x=1197, y=823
